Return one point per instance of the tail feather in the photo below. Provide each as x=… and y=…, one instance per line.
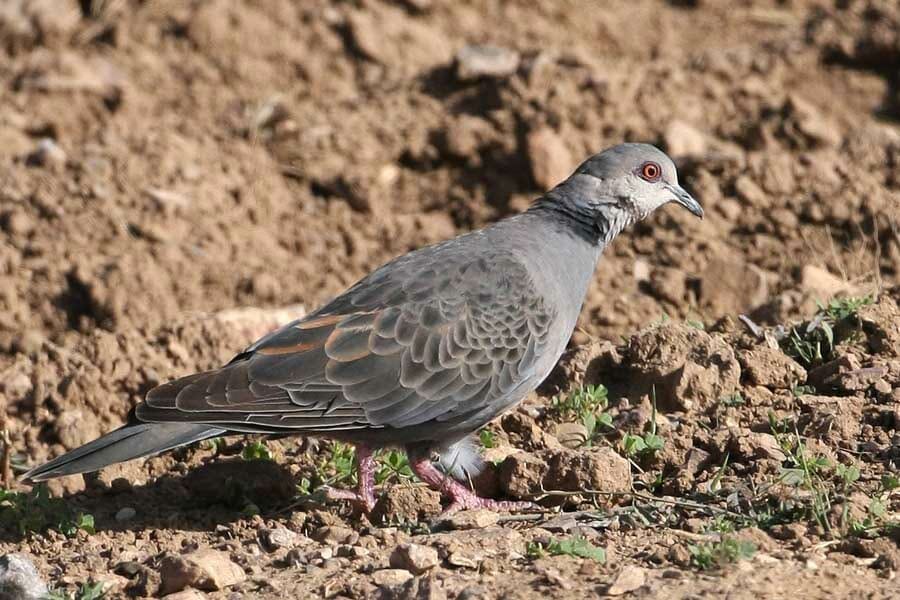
x=126, y=443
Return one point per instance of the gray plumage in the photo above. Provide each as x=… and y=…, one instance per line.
x=426, y=349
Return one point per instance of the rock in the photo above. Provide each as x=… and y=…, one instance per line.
x=335, y=534
x=401, y=503
x=281, y=537
x=687, y=367
x=111, y=584
x=571, y=435
x=465, y=136
x=747, y=190
x=74, y=428
x=628, y=580
x=19, y=579
x=415, y=558
x=521, y=474
x=472, y=519
x=187, y=595
x=684, y=140
x=551, y=161
x=771, y=368
x=204, y=569
x=476, y=62
x=125, y=514
x=388, y=578
x=822, y=284
x=48, y=154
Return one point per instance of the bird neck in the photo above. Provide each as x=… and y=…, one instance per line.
x=598, y=225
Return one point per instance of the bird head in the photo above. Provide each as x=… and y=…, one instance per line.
x=637, y=177
x=621, y=185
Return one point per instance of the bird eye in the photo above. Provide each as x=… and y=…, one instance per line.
x=650, y=171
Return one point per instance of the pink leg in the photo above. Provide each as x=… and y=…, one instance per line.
x=365, y=475
x=462, y=498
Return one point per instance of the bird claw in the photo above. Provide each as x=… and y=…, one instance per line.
x=488, y=504
x=365, y=501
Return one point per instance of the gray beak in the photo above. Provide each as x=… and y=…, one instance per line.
x=686, y=200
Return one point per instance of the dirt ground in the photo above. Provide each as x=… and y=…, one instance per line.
x=179, y=177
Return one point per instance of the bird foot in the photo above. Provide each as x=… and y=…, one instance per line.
x=365, y=499
x=461, y=497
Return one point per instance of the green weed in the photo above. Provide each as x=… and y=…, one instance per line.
x=714, y=555
x=256, y=450
x=86, y=591
x=36, y=511
x=576, y=546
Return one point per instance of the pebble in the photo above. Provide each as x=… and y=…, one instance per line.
x=48, y=154
x=628, y=580
x=414, y=557
x=125, y=514
x=19, y=578
x=551, y=161
x=388, y=578
x=472, y=519
x=204, y=569
x=280, y=537
x=476, y=62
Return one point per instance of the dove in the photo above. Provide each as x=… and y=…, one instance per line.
x=422, y=352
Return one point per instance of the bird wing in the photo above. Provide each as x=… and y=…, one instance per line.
x=433, y=336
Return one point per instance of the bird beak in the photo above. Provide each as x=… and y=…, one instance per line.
x=686, y=200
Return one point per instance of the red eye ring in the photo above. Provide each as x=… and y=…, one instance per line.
x=650, y=171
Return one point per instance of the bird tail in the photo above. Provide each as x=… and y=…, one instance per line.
x=130, y=441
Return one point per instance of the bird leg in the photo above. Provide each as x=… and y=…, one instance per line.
x=462, y=498
x=365, y=475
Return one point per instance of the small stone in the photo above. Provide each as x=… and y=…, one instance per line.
x=628, y=580
x=457, y=559
x=771, y=368
x=111, y=584
x=684, y=140
x=414, y=557
x=280, y=537
x=809, y=121
x=19, y=579
x=388, y=578
x=335, y=535
x=755, y=445
x=472, y=519
x=17, y=222
x=48, y=154
x=475, y=62
x=571, y=435
x=204, y=569
x=187, y=595
x=125, y=514
x=551, y=161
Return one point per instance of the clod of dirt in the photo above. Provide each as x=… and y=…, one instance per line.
x=771, y=368
x=406, y=503
x=476, y=62
x=687, y=367
x=189, y=594
x=729, y=285
x=821, y=283
x=550, y=159
x=881, y=322
x=236, y=482
x=204, y=569
x=752, y=445
x=600, y=469
x=835, y=420
x=415, y=558
x=19, y=579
